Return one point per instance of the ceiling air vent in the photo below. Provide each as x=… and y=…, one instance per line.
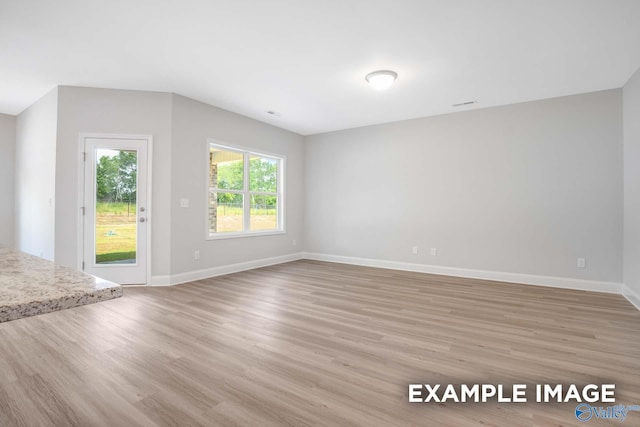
x=462, y=104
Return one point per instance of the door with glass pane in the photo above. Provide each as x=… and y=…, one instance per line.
x=115, y=209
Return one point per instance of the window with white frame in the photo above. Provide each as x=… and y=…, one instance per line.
x=245, y=192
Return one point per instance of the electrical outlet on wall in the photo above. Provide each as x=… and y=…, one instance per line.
x=414, y=250
x=582, y=263
x=196, y=255
x=434, y=252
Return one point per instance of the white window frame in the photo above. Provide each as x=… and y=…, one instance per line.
x=280, y=206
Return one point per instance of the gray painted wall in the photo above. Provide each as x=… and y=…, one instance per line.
x=108, y=111
x=180, y=128
x=35, y=171
x=7, y=173
x=525, y=188
x=632, y=183
x=194, y=122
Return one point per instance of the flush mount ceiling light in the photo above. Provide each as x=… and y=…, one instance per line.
x=381, y=80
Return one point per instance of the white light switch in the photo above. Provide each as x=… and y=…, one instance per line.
x=184, y=203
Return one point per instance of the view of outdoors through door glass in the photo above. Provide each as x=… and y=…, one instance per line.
x=116, y=207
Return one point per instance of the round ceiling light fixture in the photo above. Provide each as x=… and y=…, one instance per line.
x=382, y=79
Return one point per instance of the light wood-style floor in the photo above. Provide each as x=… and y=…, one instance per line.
x=313, y=343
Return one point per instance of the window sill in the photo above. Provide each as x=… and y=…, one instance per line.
x=232, y=235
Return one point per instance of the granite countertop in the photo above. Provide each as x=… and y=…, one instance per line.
x=30, y=285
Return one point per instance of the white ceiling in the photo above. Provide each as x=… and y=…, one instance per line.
x=307, y=59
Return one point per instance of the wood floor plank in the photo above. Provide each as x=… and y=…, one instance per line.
x=314, y=343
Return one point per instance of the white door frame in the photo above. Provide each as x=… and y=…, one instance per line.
x=81, y=167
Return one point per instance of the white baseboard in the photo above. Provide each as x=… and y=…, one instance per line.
x=160, y=281
x=231, y=268
x=527, y=279
x=631, y=296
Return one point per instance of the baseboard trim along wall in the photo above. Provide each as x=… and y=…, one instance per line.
x=631, y=296
x=526, y=279
x=160, y=281
x=205, y=273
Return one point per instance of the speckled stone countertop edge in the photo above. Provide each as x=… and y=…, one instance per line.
x=30, y=286
x=21, y=311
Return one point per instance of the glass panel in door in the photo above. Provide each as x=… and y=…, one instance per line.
x=116, y=206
